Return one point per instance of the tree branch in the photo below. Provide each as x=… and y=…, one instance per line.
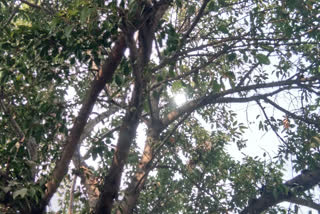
x=152, y=147
x=104, y=76
x=87, y=178
x=194, y=69
x=296, y=185
x=213, y=97
x=306, y=120
x=304, y=202
x=271, y=125
x=92, y=123
x=139, y=59
x=196, y=20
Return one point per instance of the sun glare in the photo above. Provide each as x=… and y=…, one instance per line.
x=180, y=98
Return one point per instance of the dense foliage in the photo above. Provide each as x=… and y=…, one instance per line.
x=78, y=77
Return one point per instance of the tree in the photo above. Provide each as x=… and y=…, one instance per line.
x=82, y=75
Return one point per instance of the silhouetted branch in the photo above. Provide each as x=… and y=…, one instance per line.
x=295, y=186
x=196, y=19
x=304, y=202
x=306, y=120
x=219, y=97
x=271, y=125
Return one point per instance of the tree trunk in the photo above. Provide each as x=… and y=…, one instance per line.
x=138, y=182
x=61, y=167
x=127, y=134
x=139, y=59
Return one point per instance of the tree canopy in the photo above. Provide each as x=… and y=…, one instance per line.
x=79, y=76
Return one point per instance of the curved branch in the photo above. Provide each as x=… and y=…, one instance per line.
x=296, y=185
x=93, y=122
x=271, y=125
x=304, y=202
x=153, y=146
x=213, y=98
x=306, y=120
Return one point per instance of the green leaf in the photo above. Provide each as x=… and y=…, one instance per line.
x=222, y=2
x=191, y=9
x=263, y=59
x=133, y=7
x=260, y=125
x=19, y=77
x=275, y=193
x=94, y=153
x=223, y=29
x=176, y=86
x=125, y=67
x=6, y=46
x=118, y=80
x=231, y=57
x=179, y=3
x=245, y=57
x=216, y=86
x=72, y=12
x=6, y=189
x=21, y=192
x=85, y=13
x=160, y=78
x=79, y=53
x=212, y=6
x=229, y=75
x=268, y=47
x=171, y=72
x=67, y=31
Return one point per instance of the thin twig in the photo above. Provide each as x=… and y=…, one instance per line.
x=306, y=120
x=272, y=126
x=196, y=20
